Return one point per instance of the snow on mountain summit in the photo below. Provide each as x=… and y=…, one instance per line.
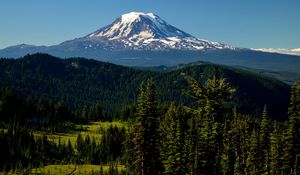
x=138, y=30
x=133, y=16
x=138, y=23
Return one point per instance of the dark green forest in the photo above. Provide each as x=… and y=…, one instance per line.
x=81, y=83
x=203, y=119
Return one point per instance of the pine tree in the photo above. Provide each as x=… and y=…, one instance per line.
x=209, y=116
x=252, y=161
x=146, y=138
x=194, y=149
x=227, y=157
x=128, y=155
x=80, y=147
x=275, y=151
x=237, y=138
x=101, y=170
x=264, y=142
x=173, y=142
x=70, y=151
x=292, y=135
x=211, y=97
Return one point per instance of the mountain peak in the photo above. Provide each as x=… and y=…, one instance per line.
x=138, y=24
x=133, y=16
x=139, y=30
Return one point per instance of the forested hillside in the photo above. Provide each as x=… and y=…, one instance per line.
x=197, y=119
x=80, y=82
x=209, y=137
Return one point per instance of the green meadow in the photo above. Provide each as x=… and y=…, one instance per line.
x=93, y=130
x=85, y=169
x=74, y=169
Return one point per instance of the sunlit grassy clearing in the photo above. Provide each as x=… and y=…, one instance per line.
x=80, y=169
x=98, y=127
x=66, y=169
x=94, y=130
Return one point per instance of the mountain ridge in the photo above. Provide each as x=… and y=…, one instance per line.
x=81, y=82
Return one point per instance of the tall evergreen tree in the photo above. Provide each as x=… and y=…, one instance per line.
x=227, y=157
x=70, y=151
x=264, y=135
x=80, y=147
x=173, y=146
x=252, y=161
x=211, y=97
x=146, y=138
x=292, y=135
x=209, y=116
x=275, y=150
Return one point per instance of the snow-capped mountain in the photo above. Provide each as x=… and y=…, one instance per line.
x=131, y=31
x=137, y=30
x=144, y=39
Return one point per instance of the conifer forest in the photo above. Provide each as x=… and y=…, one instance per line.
x=201, y=131
x=149, y=87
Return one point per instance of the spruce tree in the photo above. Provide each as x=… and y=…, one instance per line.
x=252, y=162
x=209, y=116
x=264, y=142
x=194, y=146
x=173, y=146
x=146, y=138
x=275, y=150
x=292, y=135
x=211, y=97
x=80, y=147
x=70, y=151
x=227, y=157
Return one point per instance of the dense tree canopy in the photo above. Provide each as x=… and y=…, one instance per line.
x=205, y=133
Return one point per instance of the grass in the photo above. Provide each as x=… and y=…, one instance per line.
x=4, y=130
x=94, y=130
x=98, y=127
x=67, y=169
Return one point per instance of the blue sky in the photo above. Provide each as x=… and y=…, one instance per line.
x=242, y=23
